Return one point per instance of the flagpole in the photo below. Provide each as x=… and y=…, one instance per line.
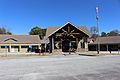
x=97, y=21
x=98, y=51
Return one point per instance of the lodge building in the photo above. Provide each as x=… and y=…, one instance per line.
x=109, y=43
x=18, y=43
x=66, y=38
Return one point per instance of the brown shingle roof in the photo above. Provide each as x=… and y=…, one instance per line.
x=85, y=30
x=19, y=39
x=50, y=30
x=107, y=40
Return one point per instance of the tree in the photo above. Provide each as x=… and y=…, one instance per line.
x=35, y=31
x=38, y=31
x=43, y=32
x=94, y=31
x=9, y=33
x=103, y=34
x=113, y=33
x=4, y=31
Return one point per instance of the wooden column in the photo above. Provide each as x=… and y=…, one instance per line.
x=39, y=46
x=77, y=43
x=9, y=50
x=79, y=46
x=0, y=48
x=107, y=47
x=61, y=44
x=19, y=50
x=50, y=46
x=86, y=46
x=53, y=43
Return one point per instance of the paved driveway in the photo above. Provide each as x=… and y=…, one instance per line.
x=61, y=68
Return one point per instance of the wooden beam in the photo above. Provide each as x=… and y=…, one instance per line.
x=64, y=30
x=72, y=36
x=58, y=34
x=75, y=33
x=72, y=30
x=68, y=28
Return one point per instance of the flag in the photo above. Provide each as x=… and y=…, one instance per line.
x=97, y=10
x=97, y=17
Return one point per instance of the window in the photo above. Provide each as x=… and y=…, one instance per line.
x=24, y=46
x=4, y=46
x=14, y=46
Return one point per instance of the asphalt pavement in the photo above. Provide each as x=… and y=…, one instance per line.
x=70, y=67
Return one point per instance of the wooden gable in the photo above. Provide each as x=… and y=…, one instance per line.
x=10, y=40
x=68, y=28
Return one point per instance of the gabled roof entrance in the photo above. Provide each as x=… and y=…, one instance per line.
x=69, y=28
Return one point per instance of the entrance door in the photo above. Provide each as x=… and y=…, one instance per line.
x=65, y=45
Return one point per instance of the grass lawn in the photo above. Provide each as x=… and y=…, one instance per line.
x=37, y=55
x=100, y=54
x=20, y=55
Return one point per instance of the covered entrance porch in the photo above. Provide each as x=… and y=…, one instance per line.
x=69, y=46
x=67, y=38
